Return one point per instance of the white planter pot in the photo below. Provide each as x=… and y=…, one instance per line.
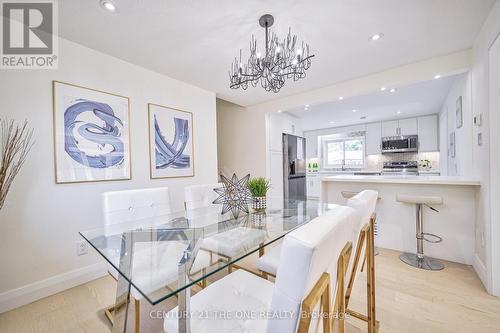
x=259, y=203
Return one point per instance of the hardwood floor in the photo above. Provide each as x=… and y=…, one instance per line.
x=408, y=300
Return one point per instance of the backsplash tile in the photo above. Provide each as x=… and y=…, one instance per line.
x=376, y=162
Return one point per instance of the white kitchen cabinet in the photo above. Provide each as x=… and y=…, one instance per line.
x=276, y=175
x=399, y=127
x=428, y=133
x=279, y=124
x=311, y=145
x=373, y=138
x=408, y=126
x=313, y=186
x=390, y=128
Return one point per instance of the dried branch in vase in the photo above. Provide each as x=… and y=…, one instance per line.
x=16, y=142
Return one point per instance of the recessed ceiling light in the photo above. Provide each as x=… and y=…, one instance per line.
x=279, y=111
x=399, y=112
x=383, y=89
x=108, y=5
x=438, y=76
x=393, y=90
x=376, y=37
x=341, y=98
x=307, y=105
x=332, y=122
x=353, y=110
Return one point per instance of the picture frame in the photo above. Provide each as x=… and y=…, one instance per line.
x=91, y=134
x=458, y=113
x=171, y=142
x=452, y=144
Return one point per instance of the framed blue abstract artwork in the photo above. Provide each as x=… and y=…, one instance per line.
x=170, y=142
x=91, y=134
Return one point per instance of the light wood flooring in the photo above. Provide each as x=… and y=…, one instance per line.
x=408, y=300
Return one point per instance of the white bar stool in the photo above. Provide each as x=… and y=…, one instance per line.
x=419, y=260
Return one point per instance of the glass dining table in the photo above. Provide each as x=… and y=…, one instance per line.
x=164, y=256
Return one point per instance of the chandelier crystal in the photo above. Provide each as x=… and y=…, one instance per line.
x=278, y=61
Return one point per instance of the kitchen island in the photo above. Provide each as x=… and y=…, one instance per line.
x=454, y=222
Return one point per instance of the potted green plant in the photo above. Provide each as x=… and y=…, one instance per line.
x=258, y=188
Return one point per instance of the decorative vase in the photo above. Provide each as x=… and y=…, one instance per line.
x=259, y=219
x=259, y=203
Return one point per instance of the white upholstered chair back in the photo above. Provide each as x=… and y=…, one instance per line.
x=200, y=196
x=364, y=204
x=131, y=205
x=306, y=254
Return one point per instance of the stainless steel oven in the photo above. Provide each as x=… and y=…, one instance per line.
x=400, y=144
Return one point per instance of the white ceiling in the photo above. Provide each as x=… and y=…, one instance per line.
x=416, y=99
x=195, y=41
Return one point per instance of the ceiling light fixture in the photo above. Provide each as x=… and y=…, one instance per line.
x=393, y=90
x=399, y=112
x=332, y=122
x=354, y=110
x=438, y=76
x=108, y=5
x=383, y=89
x=376, y=36
x=341, y=98
x=279, y=111
x=286, y=59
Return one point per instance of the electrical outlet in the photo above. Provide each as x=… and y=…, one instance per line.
x=81, y=248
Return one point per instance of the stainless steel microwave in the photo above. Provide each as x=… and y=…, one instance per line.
x=400, y=144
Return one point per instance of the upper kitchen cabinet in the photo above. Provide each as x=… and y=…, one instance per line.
x=390, y=128
x=279, y=124
x=408, y=126
x=399, y=127
x=373, y=138
x=311, y=144
x=428, y=133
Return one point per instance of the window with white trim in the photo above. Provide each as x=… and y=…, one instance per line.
x=345, y=153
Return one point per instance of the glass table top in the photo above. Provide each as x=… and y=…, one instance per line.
x=162, y=255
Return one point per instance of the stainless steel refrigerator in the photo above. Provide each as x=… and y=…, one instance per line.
x=294, y=167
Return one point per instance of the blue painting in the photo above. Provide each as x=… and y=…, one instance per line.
x=170, y=142
x=91, y=134
x=107, y=132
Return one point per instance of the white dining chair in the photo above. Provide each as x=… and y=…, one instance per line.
x=127, y=206
x=200, y=196
x=226, y=245
x=308, y=269
x=364, y=203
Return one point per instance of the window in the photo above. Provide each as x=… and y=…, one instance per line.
x=345, y=153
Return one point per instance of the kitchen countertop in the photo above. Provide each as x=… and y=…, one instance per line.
x=396, y=179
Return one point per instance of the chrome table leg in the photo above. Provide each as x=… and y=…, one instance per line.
x=120, y=315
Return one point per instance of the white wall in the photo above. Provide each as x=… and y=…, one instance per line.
x=461, y=164
x=487, y=260
x=495, y=163
x=40, y=221
x=239, y=140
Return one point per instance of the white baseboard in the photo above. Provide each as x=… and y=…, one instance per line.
x=481, y=271
x=24, y=295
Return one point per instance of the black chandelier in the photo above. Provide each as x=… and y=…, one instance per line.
x=280, y=61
